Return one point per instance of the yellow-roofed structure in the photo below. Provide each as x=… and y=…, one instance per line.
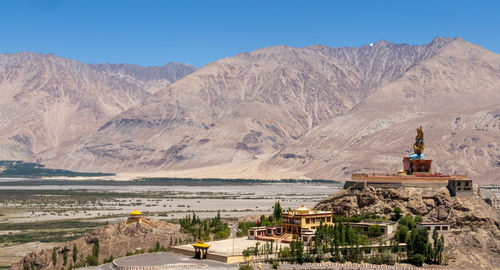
x=303, y=218
x=136, y=213
x=302, y=210
x=201, y=244
x=200, y=250
x=134, y=216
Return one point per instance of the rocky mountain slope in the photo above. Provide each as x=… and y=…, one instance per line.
x=474, y=242
x=50, y=101
x=454, y=95
x=151, y=79
x=314, y=112
x=114, y=240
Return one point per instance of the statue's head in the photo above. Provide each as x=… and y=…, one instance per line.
x=420, y=133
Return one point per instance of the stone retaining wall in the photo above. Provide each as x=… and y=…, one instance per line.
x=364, y=184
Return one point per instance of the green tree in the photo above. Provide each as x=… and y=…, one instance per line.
x=397, y=213
x=217, y=218
x=401, y=234
x=374, y=230
x=418, y=245
x=277, y=211
x=419, y=218
x=246, y=253
x=417, y=259
x=435, y=249
x=337, y=251
x=297, y=251
x=194, y=219
x=65, y=255
x=285, y=253
x=95, y=249
x=54, y=256
x=408, y=221
x=75, y=253
x=440, y=250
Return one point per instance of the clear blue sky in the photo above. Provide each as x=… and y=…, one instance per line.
x=199, y=32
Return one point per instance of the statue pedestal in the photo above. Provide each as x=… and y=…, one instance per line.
x=421, y=166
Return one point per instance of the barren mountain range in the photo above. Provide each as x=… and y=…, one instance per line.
x=49, y=101
x=278, y=112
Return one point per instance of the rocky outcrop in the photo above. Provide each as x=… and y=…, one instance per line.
x=475, y=239
x=114, y=239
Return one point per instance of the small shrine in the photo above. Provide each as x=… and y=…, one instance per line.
x=134, y=216
x=200, y=250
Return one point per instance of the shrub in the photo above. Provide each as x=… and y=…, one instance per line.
x=92, y=260
x=109, y=260
x=417, y=259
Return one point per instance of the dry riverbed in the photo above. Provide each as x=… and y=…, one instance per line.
x=55, y=210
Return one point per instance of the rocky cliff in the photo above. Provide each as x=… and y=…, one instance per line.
x=475, y=238
x=114, y=239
